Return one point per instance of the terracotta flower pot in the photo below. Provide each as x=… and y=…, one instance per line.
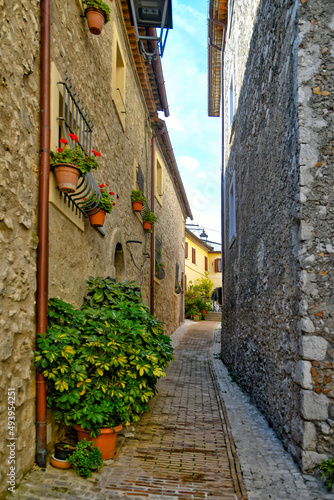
x=97, y=219
x=147, y=225
x=60, y=464
x=95, y=20
x=67, y=177
x=105, y=442
x=137, y=206
x=196, y=317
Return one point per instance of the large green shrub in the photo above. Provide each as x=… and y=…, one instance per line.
x=197, y=297
x=102, y=362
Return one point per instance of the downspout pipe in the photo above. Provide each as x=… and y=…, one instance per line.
x=43, y=223
x=152, y=261
x=159, y=75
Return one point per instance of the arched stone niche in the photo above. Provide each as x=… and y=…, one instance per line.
x=117, y=256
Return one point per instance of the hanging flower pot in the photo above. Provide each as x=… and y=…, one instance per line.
x=67, y=177
x=106, y=441
x=147, y=225
x=97, y=219
x=95, y=20
x=137, y=206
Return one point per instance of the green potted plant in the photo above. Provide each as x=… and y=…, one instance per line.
x=159, y=270
x=177, y=287
x=149, y=219
x=138, y=200
x=102, y=361
x=86, y=458
x=70, y=163
x=105, y=205
x=97, y=14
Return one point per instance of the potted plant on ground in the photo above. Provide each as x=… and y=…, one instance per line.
x=63, y=450
x=138, y=200
x=149, y=219
x=102, y=362
x=105, y=205
x=97, y=14
x=69, y=163
x=86, y=459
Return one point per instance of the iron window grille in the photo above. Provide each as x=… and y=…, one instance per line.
x=177, y=278
x=159, y=270
x=76, y=120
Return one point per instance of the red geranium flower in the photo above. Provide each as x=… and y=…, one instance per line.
x=114, y=204
x=74, y=137
x=101, y=185
x=107, y=184
x=63, y=141
x=60, y=150
x=110, y=192
x=96, y=153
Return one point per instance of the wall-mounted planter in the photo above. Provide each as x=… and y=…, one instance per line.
x=137, y=206
x=95, y=20
x=147, y=225
x=67, y=177
x=97, y=219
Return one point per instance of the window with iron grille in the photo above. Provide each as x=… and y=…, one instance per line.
x=158, y=249
x=177, y=273
x=140, y=179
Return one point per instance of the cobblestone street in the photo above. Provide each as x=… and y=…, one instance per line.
x=183, y=448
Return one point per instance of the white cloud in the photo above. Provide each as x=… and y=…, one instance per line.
x=201, y=175
x=188, y=162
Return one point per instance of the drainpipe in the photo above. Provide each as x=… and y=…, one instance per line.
x=152, y=261
x=158, y=72
x=43, y=219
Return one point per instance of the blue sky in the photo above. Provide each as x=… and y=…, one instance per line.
x=195, y=137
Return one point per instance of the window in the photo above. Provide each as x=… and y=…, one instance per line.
x=218, y=265
x=186, y=250
x=193, y=255
x=232, y=211
x=206, y=264
x=158, y=180
x=118, y=79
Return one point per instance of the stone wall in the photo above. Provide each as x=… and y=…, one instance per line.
x=316, y=125
x=19, y=140
x=277, y=317
x=261, y=290
x=74, y=254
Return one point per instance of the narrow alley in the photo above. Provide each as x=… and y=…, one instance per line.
x=183, y=448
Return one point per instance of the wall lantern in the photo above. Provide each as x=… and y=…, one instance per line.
x=156, y=16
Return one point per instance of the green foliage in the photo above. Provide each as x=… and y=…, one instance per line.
x=99, y=4
x=102, y=362
x=327, y=472
x=107, y=201
x=197, y=297
x=74, y=157
x=137, y=195
x=149, y=217
x=86, y=458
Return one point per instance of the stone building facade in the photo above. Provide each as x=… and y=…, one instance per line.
x=122, y=133
x=275, y=61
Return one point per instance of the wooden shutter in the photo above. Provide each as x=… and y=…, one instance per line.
x=186, y=250
x=218, y=265
x=206, y=264
x=193, y=254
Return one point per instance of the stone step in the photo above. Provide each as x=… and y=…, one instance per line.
x=213, y=316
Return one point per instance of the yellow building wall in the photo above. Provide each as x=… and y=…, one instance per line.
x=216, y=278
x=196, y=271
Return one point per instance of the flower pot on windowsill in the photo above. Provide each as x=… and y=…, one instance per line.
x=97, y=219
x=67, y=177
x=106, y=441
x=137, y=206
x=147, y=226
x=95, y=20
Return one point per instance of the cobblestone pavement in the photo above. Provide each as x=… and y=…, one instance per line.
x=268, y=470
x=182, y=449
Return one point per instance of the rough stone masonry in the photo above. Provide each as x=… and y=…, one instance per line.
x=278, y=330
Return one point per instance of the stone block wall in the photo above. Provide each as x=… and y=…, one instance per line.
x=19, y=158
x=277, y=315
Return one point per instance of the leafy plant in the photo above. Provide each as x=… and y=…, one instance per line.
x=99, y=4
x=158, y=266
x=74, y=156
x=137, y=195
x=102, y=362
x=107, y=200
x=197, y=297
x=149, y=217
x=327, y=472
x=86, y=458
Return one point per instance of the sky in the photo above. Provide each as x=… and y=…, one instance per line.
x=194, y=135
